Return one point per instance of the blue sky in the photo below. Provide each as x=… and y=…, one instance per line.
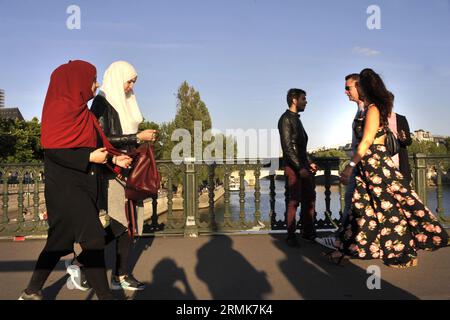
x=242, y=55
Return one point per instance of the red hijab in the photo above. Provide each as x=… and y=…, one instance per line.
x=66, y=119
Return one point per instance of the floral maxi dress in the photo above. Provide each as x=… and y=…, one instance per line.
x=388, y=221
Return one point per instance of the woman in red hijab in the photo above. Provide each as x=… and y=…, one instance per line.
x=74, y=148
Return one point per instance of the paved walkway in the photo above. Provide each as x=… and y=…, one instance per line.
x=237, y=267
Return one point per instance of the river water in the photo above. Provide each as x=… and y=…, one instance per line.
x=320, y=202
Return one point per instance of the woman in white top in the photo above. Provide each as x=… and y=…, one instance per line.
x=119, y=116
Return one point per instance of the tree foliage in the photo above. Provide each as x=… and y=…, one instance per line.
x=191, y=108
x=20, y=141
x=330, y=153
x=427, y=147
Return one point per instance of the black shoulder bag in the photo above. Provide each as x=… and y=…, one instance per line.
x=391, y=142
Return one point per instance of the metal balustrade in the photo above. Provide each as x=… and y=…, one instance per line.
x=23, y=207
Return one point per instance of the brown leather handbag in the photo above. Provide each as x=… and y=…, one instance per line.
x=142, y=181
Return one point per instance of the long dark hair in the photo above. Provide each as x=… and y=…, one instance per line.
x=374, y=91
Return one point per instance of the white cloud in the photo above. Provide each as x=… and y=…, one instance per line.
x=366, y=51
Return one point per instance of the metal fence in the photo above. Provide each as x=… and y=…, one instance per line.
x=23, y=206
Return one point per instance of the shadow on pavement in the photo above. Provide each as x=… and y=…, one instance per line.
x=314, y=277
x=221, y=267
x=167, y=278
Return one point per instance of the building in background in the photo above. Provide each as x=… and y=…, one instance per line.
x=2, y=98
x=422, y=135
x=8, y=113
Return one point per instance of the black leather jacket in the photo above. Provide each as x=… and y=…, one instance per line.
x=294, y=140
x=109, y=120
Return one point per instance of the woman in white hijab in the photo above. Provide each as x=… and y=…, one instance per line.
x=119, y=116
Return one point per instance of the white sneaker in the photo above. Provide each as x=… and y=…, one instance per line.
x=77, y=279
x=328, y=242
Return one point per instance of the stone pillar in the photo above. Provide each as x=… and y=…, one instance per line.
x=420, y=177
x=190, y=198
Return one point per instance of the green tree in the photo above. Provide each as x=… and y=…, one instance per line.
x=330, y=153
x=20, y=141
x=164, y=137
x=191, y=108
x=427, y=147
x=157, y=145
x=431, y=148
x=7, y=140
x=447, y=144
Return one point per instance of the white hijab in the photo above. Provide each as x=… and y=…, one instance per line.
x=126, y=105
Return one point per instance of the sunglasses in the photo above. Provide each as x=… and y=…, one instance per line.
x=347, y=88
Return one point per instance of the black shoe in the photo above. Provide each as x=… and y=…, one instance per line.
x=31, y=296
x=127, y=283
x=292, y=241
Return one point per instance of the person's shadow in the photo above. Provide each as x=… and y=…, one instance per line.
x=167, y=278
x=227, y=273
x=51, y=292
x=314, y=277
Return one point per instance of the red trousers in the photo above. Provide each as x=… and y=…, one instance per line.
x=301, y=190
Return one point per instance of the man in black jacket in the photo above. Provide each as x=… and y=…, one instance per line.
x=299, y=170
x=399, y=125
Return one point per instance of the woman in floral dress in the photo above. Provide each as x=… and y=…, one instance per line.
x=388, y=220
